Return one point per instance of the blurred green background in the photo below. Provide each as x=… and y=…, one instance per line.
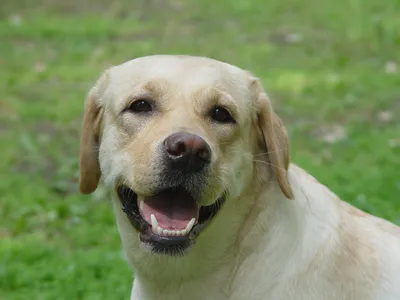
x=332, y=69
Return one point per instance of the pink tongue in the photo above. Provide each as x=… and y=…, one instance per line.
x=173, y=209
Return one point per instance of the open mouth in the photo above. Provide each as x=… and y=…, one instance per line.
x=169, y=220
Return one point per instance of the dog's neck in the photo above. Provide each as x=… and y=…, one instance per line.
x=283, y=228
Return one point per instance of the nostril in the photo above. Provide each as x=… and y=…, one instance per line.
x=204, y=153
x=175, y=148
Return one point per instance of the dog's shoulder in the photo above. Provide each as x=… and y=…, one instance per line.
x=362, y=249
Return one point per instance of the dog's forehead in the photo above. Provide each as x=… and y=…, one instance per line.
x=183, y=72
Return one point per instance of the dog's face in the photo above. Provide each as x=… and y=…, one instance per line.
x=176, y=137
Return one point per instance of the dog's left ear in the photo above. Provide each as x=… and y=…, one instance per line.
x=274, y=136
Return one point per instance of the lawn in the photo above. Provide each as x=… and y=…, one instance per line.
x=332, y=69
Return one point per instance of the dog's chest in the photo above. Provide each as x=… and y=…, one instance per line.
x=248, y=290
x=196, y=290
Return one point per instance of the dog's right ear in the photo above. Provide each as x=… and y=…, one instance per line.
x=90, y=137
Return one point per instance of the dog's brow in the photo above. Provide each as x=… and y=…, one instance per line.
x=156, y=88
x=213, y=96
x=206, y=92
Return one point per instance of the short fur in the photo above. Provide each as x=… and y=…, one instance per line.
x=260, y=245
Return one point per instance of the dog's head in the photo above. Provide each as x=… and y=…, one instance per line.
x=176, y=137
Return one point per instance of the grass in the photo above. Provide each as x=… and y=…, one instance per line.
x=330, y=68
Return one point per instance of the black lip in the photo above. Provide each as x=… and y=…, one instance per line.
x=165, y=245
x=175, y=245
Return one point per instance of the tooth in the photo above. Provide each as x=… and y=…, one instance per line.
x=165, y=232
x=159, y=230
x=141, y=205
x=172, y=232
x=189, y=225
x=154, y=222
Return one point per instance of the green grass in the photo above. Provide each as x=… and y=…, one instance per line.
x=326, y=66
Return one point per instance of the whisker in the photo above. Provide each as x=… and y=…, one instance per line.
x=268, y=163
x=269, y=152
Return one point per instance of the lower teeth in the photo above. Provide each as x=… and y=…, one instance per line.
x=165, y=232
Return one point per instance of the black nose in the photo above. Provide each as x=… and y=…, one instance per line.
x=187, y=152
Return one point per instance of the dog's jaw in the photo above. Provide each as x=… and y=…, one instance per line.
x=174, y=242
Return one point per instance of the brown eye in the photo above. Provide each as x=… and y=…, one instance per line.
x=221, y=115
x=140, y=106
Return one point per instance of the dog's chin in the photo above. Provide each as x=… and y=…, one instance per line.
x=168, y=221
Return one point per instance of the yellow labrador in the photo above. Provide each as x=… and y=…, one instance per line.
x=207, y=203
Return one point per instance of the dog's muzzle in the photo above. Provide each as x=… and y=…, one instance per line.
x=171, y=218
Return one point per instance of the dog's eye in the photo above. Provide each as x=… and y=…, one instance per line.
x=140, y=106
x=221, y=115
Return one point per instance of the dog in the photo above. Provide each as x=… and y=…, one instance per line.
x=207, y=202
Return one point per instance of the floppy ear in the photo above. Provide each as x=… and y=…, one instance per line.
x=275, y=138
x=90, y=138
